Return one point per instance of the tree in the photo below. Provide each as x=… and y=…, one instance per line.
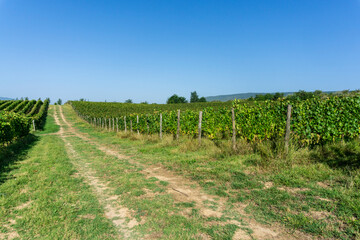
x=202, y=99
x=129, y=101
x=277, y=96
x=194, y=97
x=59, y=102
x=176, y=99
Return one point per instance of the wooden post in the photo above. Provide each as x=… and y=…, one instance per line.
x=117, y=125
x=33, y=122
x=287, y=133
x=200, y=120
x=178, y=125
x=104, y=123
x=113, y=125
x=147, y=125
x=160, y=126
x=109, y=124
x=125, y=123
x=100, y=123
x=137, y=122
x=233, y=129
x=130, y=125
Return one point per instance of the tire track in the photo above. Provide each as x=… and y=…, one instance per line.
x=183, y=190
x=113, y=211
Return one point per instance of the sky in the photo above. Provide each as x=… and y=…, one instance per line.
x=147, y=50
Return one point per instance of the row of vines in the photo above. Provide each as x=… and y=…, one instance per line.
x=18, y=116
x=314, y=121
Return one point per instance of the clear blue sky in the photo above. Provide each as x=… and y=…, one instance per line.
x=151, y=49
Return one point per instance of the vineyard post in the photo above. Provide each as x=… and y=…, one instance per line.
x=131, y=125
x=113, y=125
x=137, y=123
x=125, y=123
x=200, y=120
x=233, y=129
x=178, y=125
x=287, y=133
x=33, y=122
x=109, y=124
x=117, y=125
x=160, y=126
x=147, y=124
x=94, y=122
x=100, y=123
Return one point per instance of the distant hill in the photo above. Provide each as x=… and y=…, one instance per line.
x=5, y=98
x=224, y=98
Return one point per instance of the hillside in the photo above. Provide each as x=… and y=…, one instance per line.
x=225, y=98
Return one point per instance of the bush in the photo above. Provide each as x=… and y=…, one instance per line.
x=12, y=126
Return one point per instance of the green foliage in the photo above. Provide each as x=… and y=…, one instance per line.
x=194, y=97
x=114, y=109
x=20, y=106
x=4, y=104
x=13, y=105
x=40, y=117
x=315, y=121
x=35, y=108
x=59, y=101
x=16, y=124
x=12, y=126
x=176, y=99
x=28, y=107
x=267, y=96
x=128, y=101
x=202, y=99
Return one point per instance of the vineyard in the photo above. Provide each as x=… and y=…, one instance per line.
x=18, y=116
x=314, y=121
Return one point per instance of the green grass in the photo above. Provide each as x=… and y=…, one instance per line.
x=50, y=126
x=308, y=191
x=161, y=217
x=40, y=197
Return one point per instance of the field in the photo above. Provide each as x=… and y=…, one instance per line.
x=314, y=121
x=16, y=118
x=79, y=180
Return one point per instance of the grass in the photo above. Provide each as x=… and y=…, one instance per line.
x=312, y=190
x=160, y=216
x=41, y=199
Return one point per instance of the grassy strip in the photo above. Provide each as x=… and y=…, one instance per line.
x=306, y=191
x=41, y=197
x=153, y=207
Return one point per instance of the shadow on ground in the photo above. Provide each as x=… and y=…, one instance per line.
x=339, y=155
x=14, y=153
